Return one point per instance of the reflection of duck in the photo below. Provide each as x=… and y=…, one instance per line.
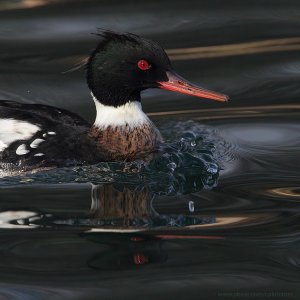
x=130, y=224
x=128, y=213
x=126, y=209
x=113, y=209
x=122, y=65
x=109, y=203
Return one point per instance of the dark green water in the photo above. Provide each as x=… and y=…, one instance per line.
x=147, y=233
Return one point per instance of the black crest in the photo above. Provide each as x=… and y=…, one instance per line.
x=112, y=69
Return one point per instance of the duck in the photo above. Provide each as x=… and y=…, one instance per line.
x=36, y=136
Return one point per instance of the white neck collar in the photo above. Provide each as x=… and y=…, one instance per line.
x=130, y=114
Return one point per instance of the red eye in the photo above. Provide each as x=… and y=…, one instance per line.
x=143, y=65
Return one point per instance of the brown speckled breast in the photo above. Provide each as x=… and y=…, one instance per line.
x=125, y=143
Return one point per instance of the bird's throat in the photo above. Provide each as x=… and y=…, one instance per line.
x=130, y=114
x=124, y=132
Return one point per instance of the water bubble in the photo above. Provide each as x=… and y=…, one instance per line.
x=191, y=206
x=213, y=168
x=172, y=166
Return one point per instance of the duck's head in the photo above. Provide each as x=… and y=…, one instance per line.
x=122, y=65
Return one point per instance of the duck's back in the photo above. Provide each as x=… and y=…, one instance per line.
x=33, y=136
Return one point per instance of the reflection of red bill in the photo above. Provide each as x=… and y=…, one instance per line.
x=178, y=84
x=188, y=237
x=140, y=259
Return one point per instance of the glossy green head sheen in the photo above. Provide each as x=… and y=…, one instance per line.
x=123, y=65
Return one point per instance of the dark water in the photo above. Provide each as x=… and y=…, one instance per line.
x=102, y=232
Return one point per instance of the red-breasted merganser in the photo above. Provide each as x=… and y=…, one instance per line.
x=34, y=136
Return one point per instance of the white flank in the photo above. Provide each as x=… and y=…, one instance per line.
x=36, y=142
x=39, y=154
x=13, y=130
x=130, y=114
x=21, y=150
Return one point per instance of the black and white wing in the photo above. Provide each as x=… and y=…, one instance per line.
x=33, y=135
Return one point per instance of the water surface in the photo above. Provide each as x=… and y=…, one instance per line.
x=221, y=223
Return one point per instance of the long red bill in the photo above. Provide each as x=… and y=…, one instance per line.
x=178, y=84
